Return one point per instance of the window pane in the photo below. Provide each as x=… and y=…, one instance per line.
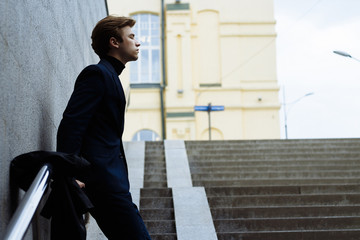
x=155, y=66
x=144, y=61
x=155, y=41
x=154, y=18
x=155, y=30
x=147, y=31
x=134, y=72
x=145, y=135
x=144, y=17
x=144, y=29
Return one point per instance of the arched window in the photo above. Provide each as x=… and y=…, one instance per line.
x=147, y=68
x=146, y=135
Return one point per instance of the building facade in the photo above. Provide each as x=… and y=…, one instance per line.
x=201, y=53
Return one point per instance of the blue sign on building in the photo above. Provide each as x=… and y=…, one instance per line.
x=209, y=107
x=217, y=108
x=201, y=108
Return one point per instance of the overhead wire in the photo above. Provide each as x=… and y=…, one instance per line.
x=271, y=41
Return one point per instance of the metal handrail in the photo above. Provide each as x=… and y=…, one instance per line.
x=21, y=219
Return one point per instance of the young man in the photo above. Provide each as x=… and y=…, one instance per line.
x=92, y=127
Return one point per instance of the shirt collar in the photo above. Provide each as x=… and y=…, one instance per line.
x=117, y=64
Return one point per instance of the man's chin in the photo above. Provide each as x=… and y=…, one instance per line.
x=134, y=59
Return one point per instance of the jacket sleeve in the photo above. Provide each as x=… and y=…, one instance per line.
x=88, y=92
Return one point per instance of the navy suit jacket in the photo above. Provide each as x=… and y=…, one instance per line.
x=93, y=124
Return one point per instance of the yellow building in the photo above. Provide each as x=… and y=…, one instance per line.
x=218, y=52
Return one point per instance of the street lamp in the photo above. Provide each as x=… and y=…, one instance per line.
x=291, y=105
x=345, y=54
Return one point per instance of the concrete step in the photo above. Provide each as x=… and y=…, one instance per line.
x=262, y=147
x=151, y=148
x=287, y=224
x=156, y=202
x=156, y=192
x=154, y=153
x=156, y=162
x=160, y=227
x=274, y=141
x=157, y=214
x=154, y=150
x=155, y=170
x=277, y=156
x=285, y=200
x=271, y=150
x=154, y=177
x=308, y=143
x=277, y=190
x=272, y=168
x=154, y=165
x=284, y=212
x=154, y=159
x=265, y=163
x=155, y=144
x=164, y=236
x=280, y=189
x=275, y=182
x=336, y=234
x=158, y=184
x=269, y=175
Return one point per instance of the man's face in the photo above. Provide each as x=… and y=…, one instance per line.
x=129, y=47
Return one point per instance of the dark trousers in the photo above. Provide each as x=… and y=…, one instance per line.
x=117, y=216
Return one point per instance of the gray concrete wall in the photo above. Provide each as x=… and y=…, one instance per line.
x=43, y=47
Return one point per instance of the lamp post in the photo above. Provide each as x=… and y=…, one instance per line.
x=291, y=105
x=345, y=54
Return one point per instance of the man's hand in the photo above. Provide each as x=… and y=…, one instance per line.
x=81, y=184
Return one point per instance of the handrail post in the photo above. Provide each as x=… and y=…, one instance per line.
x=21, y=219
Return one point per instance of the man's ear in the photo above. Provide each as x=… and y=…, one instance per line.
x=113, y=42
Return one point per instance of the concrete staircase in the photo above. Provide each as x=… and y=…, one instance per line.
x=156, y=202
x=280, y=189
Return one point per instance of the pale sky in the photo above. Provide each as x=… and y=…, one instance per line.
x=308, y=31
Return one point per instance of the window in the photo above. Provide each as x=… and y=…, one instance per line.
x=147, y=68
x=146, y=135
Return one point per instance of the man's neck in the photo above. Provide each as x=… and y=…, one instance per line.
x=116, y=63
x=111, y=54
